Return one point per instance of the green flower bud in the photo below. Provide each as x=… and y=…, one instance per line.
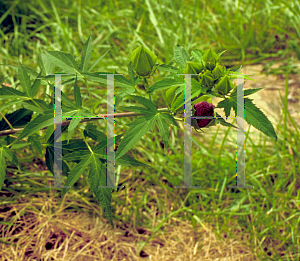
x=170, y=95
x=206, y=78
x=218, y=71
x=193, y=68
x=143, y=61
x=210, y=58
x=211, y=65
x=224, y=86
x=210, y=54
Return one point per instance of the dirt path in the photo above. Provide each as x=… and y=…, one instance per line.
x=268, y=99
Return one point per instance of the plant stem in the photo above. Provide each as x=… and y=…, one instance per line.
x=147, y=87
x=85, y=140
x=98, y=117
x=163, y=110
x=37, y=104
x=7, y=121
x=178, y=119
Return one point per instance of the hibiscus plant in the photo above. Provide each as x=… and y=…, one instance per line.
x=209, y=78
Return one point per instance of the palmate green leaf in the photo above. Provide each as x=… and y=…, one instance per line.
x=34, y=139
x=179, y=102
x=24, y=79
x=74, y=145
x=86, y=54
x=137, y=129
x=74, y=122
x=247, y=92
x=40, y=122
x=128, y=86
x=65, y=99
x=147, y=103
x=92, y=132
x=227, y=104
x=103, y=144
x=198, y=55
x=50, y=134
x=224, y=123
x=197, y=89
x=19, y=145
x=8, y=92
x=30, y=105
x=75, y=174
x=166, y=83
x=11, y=156
x=77, y=149
x=35, y=86
x=65, y=80
x=77, y=95
x=163, y=127
x=195, y=86
x=119, y=80
x=49, y=156
x=97, y=176
x=73, y=151
x=170, y=96
x=63, y=60
x=6, y=153
x=251, y=91
x=181, y=56
x=233, y=76
x=235, y=68
x=126, y=160
x=136, y=109
x=255, y=117
x=76, y=155
x=125, y=90
x=231, y=102
x=18, y=118
x=170, y=119
x=45, y=65
x=122, y=94
x=167, y=68
x=3, y=167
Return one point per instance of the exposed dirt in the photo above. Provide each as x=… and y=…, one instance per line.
x=38, y=229
x=268, y=99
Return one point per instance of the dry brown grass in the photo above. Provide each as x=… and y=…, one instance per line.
x=40, y=230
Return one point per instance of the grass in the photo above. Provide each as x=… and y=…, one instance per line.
x=269, y=214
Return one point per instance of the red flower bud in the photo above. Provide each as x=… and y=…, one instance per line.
x=204, y=109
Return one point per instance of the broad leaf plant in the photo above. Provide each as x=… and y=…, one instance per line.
x=211, y=79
